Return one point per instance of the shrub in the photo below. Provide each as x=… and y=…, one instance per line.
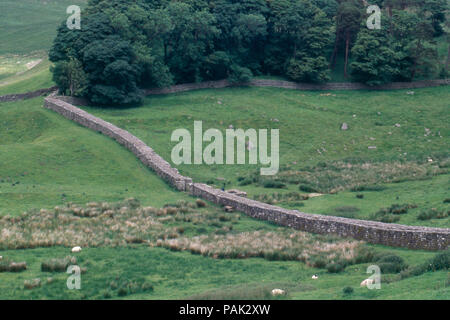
x=368, y=188
x=335, y=267
x=346, y=209
x=240, y=74
x=246, y=182
x=274, y=184
x=200, y=203
x=10, y=266
x=432, y=214
x=58, y=265
x=347, y=290
x=31, y=284
x=441, y=261
x=390, y=263
x=307, y=188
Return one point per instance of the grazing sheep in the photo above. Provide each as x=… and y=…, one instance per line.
x=1, y=258
x=366, y=282
x=31, y=284
x=278, y=292
x=76, y=249
x=315, y=277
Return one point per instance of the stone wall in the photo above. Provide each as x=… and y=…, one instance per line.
x=299, y=86
x=27, y=95
x=370, y=231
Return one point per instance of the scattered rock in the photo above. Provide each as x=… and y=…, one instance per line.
x=314, y=195
x=344, y=126
x=398, y=125
x=238, y=193
x=372, y=147
x=411, y=93
x=228, y=209
x=31, y=284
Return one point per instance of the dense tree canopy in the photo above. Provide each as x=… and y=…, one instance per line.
x=126, y=45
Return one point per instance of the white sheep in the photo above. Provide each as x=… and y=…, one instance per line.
x=278, y=292
x=76, y=249
x=315, y=277
x=367, y=282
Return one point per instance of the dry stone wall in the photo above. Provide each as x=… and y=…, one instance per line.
x=27, y=95
x=299, y=86
x=374, y=232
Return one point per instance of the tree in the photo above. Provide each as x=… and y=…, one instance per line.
x=375, y=60
x=70, y=77
x=348, y=23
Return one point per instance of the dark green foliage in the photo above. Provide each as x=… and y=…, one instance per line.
x=124, y=287
x=440, y=261
x=347, y=290
x=433, y=214
x=273, y=184
x=390, y=263
x=124, y=46
x=307, y=188
x=58, y=265
x=401, y=50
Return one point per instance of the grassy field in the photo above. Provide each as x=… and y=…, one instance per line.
x=410, y=133
x=30, y=25
x=177, y=275
x=148, y=271
x=47, y=160
x=19, y=79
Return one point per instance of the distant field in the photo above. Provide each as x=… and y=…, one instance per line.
x=410, y=133
x=30, y=25
x=18, y=78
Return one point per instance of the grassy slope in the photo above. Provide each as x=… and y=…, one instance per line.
x=177, y=275
x=30, y=25
x=309, y=121
x=36, y=78
x=47, y=160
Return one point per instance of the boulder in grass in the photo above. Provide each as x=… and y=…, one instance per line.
x=228, y=209
x=31, y=284
x=238, y=193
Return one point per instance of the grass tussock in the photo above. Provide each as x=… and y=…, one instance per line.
x=58, y=265
x=97, y=224
x=10, y=266
x=314, y=250
x=392, y=214
x=276, y=197
x=336, y=176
